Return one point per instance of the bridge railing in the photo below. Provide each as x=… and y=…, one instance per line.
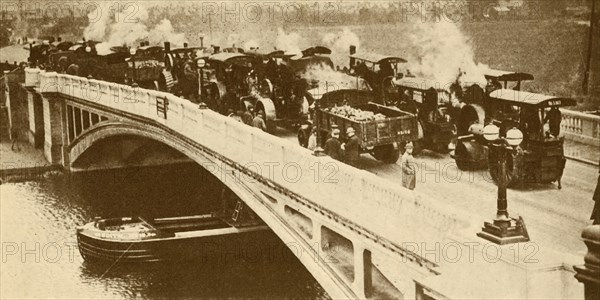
x=581, y=127
x=356, y=195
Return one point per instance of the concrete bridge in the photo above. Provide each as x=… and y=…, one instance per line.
x=360, y=236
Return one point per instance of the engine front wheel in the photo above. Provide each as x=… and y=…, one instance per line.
x=271, y=125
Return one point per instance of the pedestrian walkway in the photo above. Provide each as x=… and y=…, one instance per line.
x=27, y=164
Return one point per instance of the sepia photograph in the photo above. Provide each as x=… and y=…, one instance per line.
x=300, y=149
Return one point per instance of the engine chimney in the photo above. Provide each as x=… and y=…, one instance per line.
x=202, y=42
x=59, y=39
x=217, y=49
x=167, y=46
x=141, y=44
x=352, y=60
x=185, y=45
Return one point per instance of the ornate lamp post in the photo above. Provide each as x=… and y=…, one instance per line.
x=503, y=230
x=200, y=63
x=318, y=150
x=132, y=51
x=589, y=273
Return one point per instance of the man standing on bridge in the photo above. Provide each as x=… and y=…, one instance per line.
x=596, y=211
x=351, y=148
x=333, y=145
x=553, y=118
x=247, y=116
x=408, y=168
x=259, y=122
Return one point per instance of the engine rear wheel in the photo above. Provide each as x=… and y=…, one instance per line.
x=461, y=157
x=440, y=147
x=494, y=168
x=303, y=137
x=386, y=154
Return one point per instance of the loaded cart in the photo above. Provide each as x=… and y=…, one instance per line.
x=382, y=130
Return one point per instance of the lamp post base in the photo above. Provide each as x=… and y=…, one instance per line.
x=505, y=232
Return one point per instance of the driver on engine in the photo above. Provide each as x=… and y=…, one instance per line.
x=190, y=86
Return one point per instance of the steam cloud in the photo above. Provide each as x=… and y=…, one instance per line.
x=440, y=50
x=435, y=50
x=331, y=80
x=288, y=42
x=339, y=43
x=115, y=28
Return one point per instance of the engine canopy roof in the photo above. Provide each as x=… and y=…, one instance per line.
x=521, y=98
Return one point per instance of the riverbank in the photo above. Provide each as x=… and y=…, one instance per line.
x=24, y=165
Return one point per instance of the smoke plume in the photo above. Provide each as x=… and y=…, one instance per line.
x=288, y=42
x=330, y=80
x=117, y=28
x=441, y=51
x=339, y=43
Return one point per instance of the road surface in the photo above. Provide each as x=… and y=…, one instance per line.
x=554, y=218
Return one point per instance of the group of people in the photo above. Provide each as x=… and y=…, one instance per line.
x=349, y=152
x=250, y=118
x=533, y=126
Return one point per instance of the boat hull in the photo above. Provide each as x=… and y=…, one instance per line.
x=220, y=245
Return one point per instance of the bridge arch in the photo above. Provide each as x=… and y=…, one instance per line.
x=266, y=207
x=108, y=129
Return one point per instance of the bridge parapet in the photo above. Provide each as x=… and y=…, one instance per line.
x=581, y=127
x=399, y=221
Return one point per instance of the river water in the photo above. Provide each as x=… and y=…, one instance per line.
x=39, y=249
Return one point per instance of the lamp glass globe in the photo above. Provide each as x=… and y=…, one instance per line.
x=514, y=137
x=491, y=132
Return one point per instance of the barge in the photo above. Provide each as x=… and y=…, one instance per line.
x=135, y=239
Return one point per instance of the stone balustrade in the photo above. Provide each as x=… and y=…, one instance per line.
x=581, y=127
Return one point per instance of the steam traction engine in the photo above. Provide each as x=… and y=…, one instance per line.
x=539, y=159
x=144, y=66
x=432, y=105
x=274, y=79
x=380, y=72
x=78, y=59
x=225, y=84
x=173, y=79
x=280, y=90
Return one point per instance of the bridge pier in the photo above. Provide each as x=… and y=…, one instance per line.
x=54, y=129
x=35, y=134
